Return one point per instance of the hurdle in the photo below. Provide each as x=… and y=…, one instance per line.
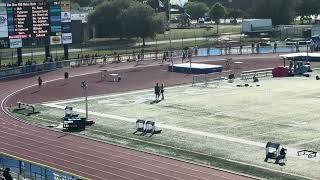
x=25, y=109
x=260, y=73
x=203, y=80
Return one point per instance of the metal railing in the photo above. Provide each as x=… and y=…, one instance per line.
x=24, y=170
x=155, y=56
x=260, y=73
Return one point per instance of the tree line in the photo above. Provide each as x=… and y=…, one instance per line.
x=146, y=18
x=126, y=19
x=280, y=11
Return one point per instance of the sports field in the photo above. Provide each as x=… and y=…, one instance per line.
x=220, y=120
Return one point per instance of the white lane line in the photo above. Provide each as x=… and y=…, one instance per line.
x=46, y=140
x=185, y=130
x=51, y=157
x=91, y=161
x=291, y=151
x=112, y=95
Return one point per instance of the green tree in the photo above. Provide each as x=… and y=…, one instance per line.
x=216, y=13
x=95, y=3
x=107, y=18
x=236, y=13
x=82, y=3
x=140, y=20
x=280, y=11
x=196, y=9
x=74, y=6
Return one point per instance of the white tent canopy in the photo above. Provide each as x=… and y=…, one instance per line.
x=302, y=54
x=180, y=3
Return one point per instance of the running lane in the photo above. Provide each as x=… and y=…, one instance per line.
x=89, y=158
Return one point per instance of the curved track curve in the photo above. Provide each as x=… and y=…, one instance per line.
x=84, y=157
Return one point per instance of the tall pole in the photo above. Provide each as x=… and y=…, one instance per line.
x=86, y=94
x=85, y=88
x=156, y=43
x=56, y=52
x=0, y=59
x=195, y=38
x=307, y=52
x=171, y=52
x=32, y=45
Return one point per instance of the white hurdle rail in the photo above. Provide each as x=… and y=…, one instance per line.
x=260, y=73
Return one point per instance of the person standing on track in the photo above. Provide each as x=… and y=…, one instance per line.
x=157, y=91
x=66, y=75
x=162, y=91
x=39, y=82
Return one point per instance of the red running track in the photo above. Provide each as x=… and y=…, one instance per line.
x=88, y=158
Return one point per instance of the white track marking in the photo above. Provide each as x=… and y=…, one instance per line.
x=291, y=151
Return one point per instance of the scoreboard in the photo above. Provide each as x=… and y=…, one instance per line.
x=49, y=21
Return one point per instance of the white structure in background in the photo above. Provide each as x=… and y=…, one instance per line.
x=180, y=3
x=82, y=16
x=252, y=26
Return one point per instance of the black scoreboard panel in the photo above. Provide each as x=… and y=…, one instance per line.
x=40, y=21
x=28, y=19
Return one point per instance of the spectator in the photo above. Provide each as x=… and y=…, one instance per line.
x=104, y=59
x=189, y=54
x=297, y=47
x=226, y=49
x=6, y=174
x=275, y=47
x=252, y=48
x=142, y=54
x=114, y=57
x=183, y=55
x=241, y=46
x=118, y=59
x=164, y=57
x=258, y=48
x=196, y=50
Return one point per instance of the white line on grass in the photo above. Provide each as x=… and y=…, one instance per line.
x=110, y=95
x=291, y=152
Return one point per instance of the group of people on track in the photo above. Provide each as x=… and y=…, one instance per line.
x=66, y=77
x=159, y=90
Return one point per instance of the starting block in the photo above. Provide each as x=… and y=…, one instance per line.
x=146, y=127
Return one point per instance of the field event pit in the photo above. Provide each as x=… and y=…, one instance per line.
x=195, y=68
x=226, y=121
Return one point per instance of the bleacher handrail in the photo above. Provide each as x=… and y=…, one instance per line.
x=156, y=55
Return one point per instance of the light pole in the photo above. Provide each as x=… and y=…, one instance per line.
x=85, y=88
x=195, y=38
x=307, y=52
x=32, y=46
